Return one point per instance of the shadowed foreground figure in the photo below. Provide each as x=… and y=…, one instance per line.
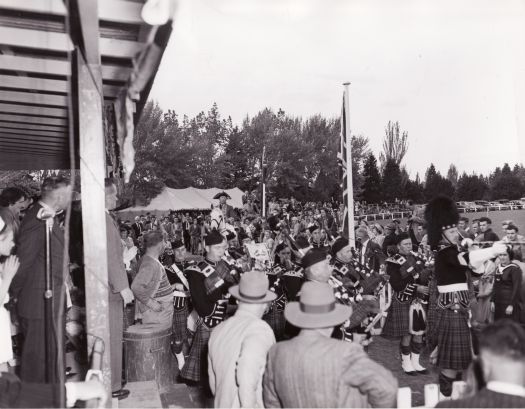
x=502, y=361
x=313, y=370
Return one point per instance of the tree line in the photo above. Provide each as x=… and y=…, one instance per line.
x=300, y=160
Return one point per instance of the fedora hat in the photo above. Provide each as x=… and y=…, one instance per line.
x=316, y=308
x=253, y=288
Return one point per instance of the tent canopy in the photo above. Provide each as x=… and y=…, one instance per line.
x=184, y=199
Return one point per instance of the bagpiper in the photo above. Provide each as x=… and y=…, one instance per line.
x=346, y=280
x=209, y=297
x=274, y=316
x=406, y=317
x=452, y=273
x=175, y=263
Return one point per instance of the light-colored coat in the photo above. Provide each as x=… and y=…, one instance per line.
x=313, y=371
x=237, y=353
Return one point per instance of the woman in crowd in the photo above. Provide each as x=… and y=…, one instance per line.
x=506, y=298
x=8, y=268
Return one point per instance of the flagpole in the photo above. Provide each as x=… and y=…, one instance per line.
x=348, y=138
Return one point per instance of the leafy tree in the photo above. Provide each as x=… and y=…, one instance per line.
x=435, y=184
x=371, y=180
x=395, y=144
x=452, y=174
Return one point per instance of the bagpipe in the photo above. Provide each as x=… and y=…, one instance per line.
x=371, y=281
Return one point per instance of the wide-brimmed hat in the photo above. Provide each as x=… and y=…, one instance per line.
x=316, y=308
x=253, y=288
x=220, y=194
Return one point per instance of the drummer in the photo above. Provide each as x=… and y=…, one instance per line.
x=151, y=286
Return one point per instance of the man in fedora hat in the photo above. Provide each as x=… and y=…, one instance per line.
x=238, y=347
x=316, y=371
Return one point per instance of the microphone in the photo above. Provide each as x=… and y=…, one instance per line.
x=47, y=215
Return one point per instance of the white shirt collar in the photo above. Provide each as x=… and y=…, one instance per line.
x=506, y=388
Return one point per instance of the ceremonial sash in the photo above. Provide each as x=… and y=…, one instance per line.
x=181, y=276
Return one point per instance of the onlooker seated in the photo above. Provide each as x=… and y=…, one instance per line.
x=502, y=359
x=151, y=286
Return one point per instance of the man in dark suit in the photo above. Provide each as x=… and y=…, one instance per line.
x=119, y=295
x=28, y=285
x=502, y=361
x=370, y=253
x=390, y=239
x=137, y=227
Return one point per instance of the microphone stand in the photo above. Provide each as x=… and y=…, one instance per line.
x=48, y=303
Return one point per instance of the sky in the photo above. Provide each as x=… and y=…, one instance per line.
x=452, y=72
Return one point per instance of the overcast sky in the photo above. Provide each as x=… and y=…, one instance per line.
x=452, y=72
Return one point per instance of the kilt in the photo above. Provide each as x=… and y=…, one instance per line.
x=196, y=365
x=431, y=313
x=180, y=326
x=276, y=320
x=396, y=324
x=453, y=338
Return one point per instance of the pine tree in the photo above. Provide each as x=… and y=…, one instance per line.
x=391, y=181
x=371, y=180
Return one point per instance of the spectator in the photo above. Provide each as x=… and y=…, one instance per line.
x=314, y=370
x=151, y=286
x=195, y=235
x=370, y=253
x=502, y=359
x=506, y=298
x=517, y=248
x=376, y=234
x=485, y=226
x=238, y=347
x=390, y=239
x=16, y=201
x=8, y=269
x=474, y=228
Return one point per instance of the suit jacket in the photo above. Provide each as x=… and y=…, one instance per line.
x=28, y=285
x=228, y=211
x=117, y=277
x=17, y=394
x=374, y=255
x=137, y=229
x=485, y=398
x=312, y=371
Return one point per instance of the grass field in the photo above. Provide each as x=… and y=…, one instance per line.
x=518, y=216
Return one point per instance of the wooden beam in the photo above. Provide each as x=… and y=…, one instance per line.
x=28, y=141
x=24, y=161
x=34, y=120
x=38, y=149
x=30, y=127
x=31, y=110
x=32, y=83
x=15, y=153
x=50, y=41
x=117, y=11
x=46, y=66
x=92, y=172
x=17, y=131
x=34, y=98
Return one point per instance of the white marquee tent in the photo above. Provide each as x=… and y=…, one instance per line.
x=183, y=199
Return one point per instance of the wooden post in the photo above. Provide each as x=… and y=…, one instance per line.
x=88, y=75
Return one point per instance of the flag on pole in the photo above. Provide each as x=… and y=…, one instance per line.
x=343, y=174
x=345, y=171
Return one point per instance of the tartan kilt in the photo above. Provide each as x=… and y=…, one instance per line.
x=180, y=325
x=195, y=368
x=453, y=338
x=431, y=314
x=277, y=322
x=396, y=324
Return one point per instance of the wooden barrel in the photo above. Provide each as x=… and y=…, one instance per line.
x=148, y=356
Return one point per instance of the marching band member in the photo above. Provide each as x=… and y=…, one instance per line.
x=452, y=321
x=275, y=313
x=176, y=265
x=406, y=316
x=209, y=297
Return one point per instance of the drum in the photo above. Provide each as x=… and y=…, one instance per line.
x=147, y=355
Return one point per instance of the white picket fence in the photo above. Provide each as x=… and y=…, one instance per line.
x=404, y=395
